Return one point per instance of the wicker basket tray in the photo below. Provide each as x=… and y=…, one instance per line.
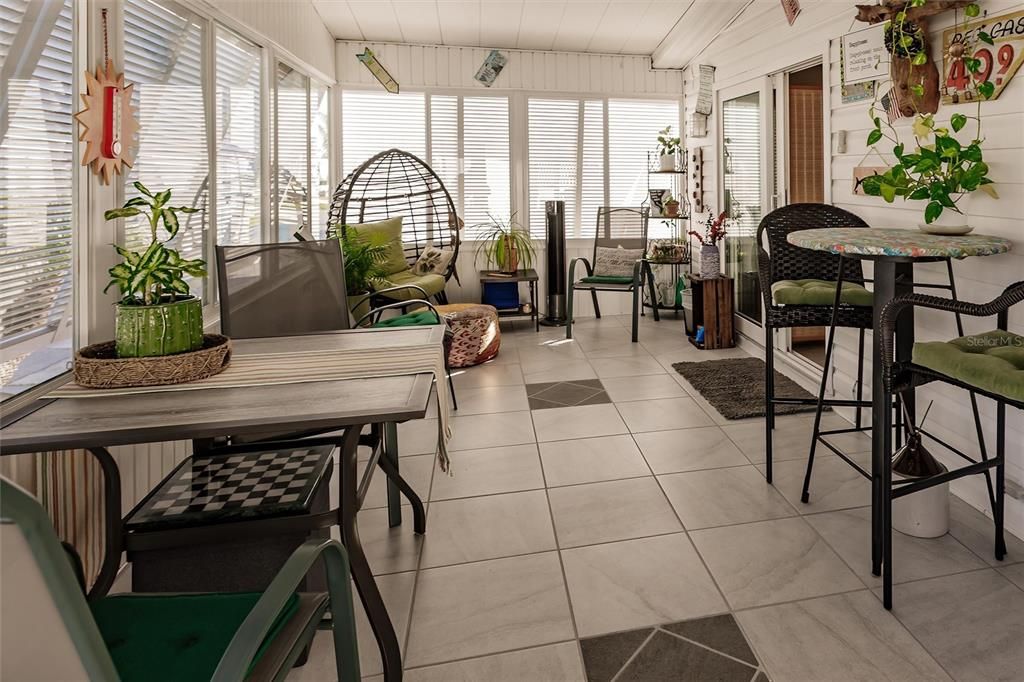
x=98, y=366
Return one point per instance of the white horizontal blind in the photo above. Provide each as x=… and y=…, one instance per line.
x=238, y=139
x=741, y=132
x=444, y=143
x=163, y=58
x=373, y=122
x=36, y=165
x=553, y=139
x=320, y=159
x=486, y=192
x=633, y=127
x=292, y=169
x=592, y=174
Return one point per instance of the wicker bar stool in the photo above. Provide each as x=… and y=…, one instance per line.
x=799, y=289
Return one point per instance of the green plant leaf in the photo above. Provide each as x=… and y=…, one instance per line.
x=897, y=151
x=874, y=136
x=932, y=211
x=142, y=188
x=919, y=194
x=986, y=89
x=919, y=60
x=972, y=10
x=186, y=209
x=170, y=222
x=124, y=212
x=973, y=65
x=957, y=122
x=162, y=198
x=984, y=37
x=972, y=152
x=888, y=192
x=989, y=189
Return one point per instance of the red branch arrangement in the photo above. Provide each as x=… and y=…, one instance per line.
x=714, y=229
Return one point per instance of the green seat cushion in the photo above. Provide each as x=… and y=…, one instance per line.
x=818, y=292
x=431, y=283
x=417, y=318
x=993, y=361
x=176, y=637
x=388, y=232
x=606, y=279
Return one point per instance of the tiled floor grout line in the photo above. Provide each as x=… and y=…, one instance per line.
x=636, y=653
x=709, y=648
x=488, y=655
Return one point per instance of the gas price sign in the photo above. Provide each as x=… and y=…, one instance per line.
x=999, y=61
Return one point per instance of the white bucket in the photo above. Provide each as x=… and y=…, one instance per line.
x=924, y=514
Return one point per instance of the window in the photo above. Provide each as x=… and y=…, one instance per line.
x=163, y=58
x=466, y=142
x=320, y=157
x=238, y=139
x=36, y=197
x=291, y=164
x=567, y=150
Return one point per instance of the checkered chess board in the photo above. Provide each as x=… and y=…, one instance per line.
x=232, y=487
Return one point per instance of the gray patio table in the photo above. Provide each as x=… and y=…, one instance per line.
x=894, y=253
x=97, y=423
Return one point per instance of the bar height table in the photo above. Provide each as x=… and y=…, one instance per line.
x=894, y=253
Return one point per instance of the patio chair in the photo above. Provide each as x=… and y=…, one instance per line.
x=618, y=230
x=990, y=365
x=51, y=632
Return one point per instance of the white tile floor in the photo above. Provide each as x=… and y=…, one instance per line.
x=573, y=522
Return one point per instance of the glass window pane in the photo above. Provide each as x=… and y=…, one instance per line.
x=373, y=122
x=486, y=190
x=321, y=158
x=36, y=166
x=553, y=126
x=633, y=127
x=163, y=54
x=741, y=182
x=592, y=174
x=238, y=139
x=444, y=143
x=292, y=170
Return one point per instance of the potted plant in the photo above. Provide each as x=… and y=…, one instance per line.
x=940, y=169
x=714, y=232
x=363, y=268
x=506, y=244
x=156, y=314
x=671, y=207
x=668, y=150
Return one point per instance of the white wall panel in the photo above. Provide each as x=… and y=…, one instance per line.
x=429, y=66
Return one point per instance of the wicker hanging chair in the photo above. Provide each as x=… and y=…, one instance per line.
x=397, y=183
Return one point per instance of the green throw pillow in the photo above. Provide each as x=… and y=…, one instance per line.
x=389, y=230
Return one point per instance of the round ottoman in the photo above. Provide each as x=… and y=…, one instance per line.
x=476, y=335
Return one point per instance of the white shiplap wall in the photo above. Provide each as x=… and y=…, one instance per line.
x=429, y=66
x=770, y=45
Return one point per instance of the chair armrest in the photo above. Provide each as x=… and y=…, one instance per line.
x=1012, y=295
x=764, y=275
x=399, y=304
x=638, y=269
x=572, y=269
x=379, y=292
x=250, y=635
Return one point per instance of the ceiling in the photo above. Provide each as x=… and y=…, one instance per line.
x=672, y=31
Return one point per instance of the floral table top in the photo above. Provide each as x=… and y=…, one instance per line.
x=874, y=241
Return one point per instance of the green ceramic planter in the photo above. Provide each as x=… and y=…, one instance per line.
x=165, y=329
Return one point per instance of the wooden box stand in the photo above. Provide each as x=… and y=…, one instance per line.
x=712, y=309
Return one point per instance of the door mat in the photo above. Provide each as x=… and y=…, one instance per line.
x=735, y=387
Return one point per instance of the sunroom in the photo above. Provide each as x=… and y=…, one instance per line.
x=526, y=340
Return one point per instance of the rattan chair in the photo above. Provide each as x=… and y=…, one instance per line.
x=962, y=363
x=781, y=262
x=397, y=183
x=616, y=227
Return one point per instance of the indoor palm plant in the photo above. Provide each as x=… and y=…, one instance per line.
x=364, y=258
x=156, y=314
x=940, y=169
x=505, y=244
x=668, y=149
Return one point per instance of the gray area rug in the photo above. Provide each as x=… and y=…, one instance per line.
x=735, y=387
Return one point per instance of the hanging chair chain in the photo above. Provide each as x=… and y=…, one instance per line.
x=106, y=47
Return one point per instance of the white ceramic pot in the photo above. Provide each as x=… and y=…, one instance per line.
x=924, y=514
x=950, y=221
x=668, y=162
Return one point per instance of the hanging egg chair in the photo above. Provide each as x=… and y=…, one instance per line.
x=396, y=183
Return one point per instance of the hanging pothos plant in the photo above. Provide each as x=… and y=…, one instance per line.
x=939, y=168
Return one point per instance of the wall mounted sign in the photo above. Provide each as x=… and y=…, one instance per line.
x=999, y=61
x=705, y=79
x=492, y=66
x=853, y=92
x=864, y=57
x=369, y=60
x=108, y=122
x=862, y=172
x=792, y=10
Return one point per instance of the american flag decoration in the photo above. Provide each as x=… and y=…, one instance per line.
x=891, y=103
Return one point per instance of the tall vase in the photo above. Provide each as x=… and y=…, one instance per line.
x=710, y=261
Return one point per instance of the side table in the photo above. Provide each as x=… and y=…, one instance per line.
x=529, y=276
x=712, y=309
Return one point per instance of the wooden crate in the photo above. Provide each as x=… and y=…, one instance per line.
x=712, y=309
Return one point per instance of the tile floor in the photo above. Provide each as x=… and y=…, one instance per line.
x=608, y=541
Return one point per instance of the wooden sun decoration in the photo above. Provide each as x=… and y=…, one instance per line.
x=108, y=122
x=901, y=71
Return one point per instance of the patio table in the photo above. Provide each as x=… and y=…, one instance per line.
x=894, y=253
x=97, y=423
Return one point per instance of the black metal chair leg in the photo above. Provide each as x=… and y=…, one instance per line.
x=113, y=527
x=858, y=422
x=451, y=389
x=568, y=313
x=636, y=313
x=769, y=398
x=419, y=515
x=654, y=292
x=1000, y=492
x=597, y=306
x=373, y=603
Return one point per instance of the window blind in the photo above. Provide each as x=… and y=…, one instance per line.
x=291, y=168
x=633, y=127
x=741, y=173
x=375, y=121
x=36, y=166
x=320, y=157
x=592, y=172
x=238, y=139
x=553, y=139
x=163, y=58
x=444, y=143
x=486, y=192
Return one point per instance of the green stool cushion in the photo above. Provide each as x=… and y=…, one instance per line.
x=431, y=283
x=417, y=318
x=390, y=233
x=606, y=279
x=176, y=637
x=993, y=361
x=818, y=292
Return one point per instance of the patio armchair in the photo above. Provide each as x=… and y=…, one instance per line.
x=220, y=636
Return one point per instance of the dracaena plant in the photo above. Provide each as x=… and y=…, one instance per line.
x=940, y=169
x=157, y=274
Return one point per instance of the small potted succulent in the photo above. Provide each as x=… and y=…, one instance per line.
x=364, y=260
x=714, y=232
x=668, y=150
x=671, y=207
x=506, y=244
x=156, y=314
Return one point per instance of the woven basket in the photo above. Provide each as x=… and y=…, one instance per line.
x=98, y=366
